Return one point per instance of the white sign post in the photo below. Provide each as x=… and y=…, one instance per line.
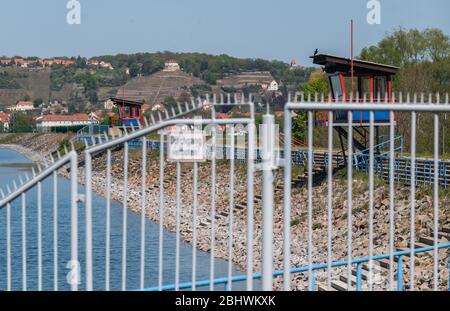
x=186, y=146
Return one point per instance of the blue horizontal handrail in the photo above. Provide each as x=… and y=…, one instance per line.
x=384, y=143
x=323, y=266
x=93, y=129
x=387, y=142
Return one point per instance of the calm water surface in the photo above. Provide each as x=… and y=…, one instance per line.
x=13, y=164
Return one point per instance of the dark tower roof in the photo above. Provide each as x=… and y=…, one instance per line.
x=342, y=65
x=126, y=102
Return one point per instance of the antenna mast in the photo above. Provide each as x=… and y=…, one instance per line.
x=351, y=57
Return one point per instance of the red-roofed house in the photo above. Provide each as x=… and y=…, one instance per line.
x=106, y=65
x=65, y=62
x=5, y=119
x=93, y=62
x=22, y=106
x=19, y=61
x=51, y=121
x=103, y=64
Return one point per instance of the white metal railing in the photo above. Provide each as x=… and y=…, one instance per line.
x=27, y=183
x=100, y=162
x=141, y=134
x=411, y=107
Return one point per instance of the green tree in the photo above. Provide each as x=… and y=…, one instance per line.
x=317, y=84
x=37, y=102
x=299, y=126
x=424, y=61
x=21, y=123
x=106, y=120
x=80, y=62
x=200, y=89
x=423, y=58
x=437, y=44
x=251, y=89
x=207, y=67
x=170, y=102
x=135, y=69
x=151, y=66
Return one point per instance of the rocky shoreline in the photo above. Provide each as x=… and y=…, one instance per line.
x=299, y=232
x=27, y=152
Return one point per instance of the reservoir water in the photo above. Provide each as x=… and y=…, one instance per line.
x=13, y=164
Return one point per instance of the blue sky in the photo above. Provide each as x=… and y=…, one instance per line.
x=281, y=29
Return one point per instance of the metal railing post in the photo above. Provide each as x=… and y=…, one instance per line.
x=89, y=260
x=287, y=200
x=74, y=221
x=268, y=164
x=251, y=156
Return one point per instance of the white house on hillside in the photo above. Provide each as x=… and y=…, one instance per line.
x=157, y=107
x=108, y=104
x=273, y=86
x=106, y=65
x=171, y=65
x=22, y=106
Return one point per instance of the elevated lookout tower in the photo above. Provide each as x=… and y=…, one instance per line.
x=130, y=112
x=371, y=82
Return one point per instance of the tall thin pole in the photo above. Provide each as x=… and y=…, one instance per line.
x=268, y=151
x=351, y=56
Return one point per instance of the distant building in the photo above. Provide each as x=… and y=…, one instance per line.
x=157, y=107
x=96, y=116
x=5, y=61
x=108, y=104
x=273, y=86
x=171, y=65
x=96, y=63
x=106, y=65
x=5, y=119
x=93, y=62
x=294, y=65
x=64, y=62
x=26, y=63
x=206, y=105
x=22, y=106
x=21, y=62
x=53, y=122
